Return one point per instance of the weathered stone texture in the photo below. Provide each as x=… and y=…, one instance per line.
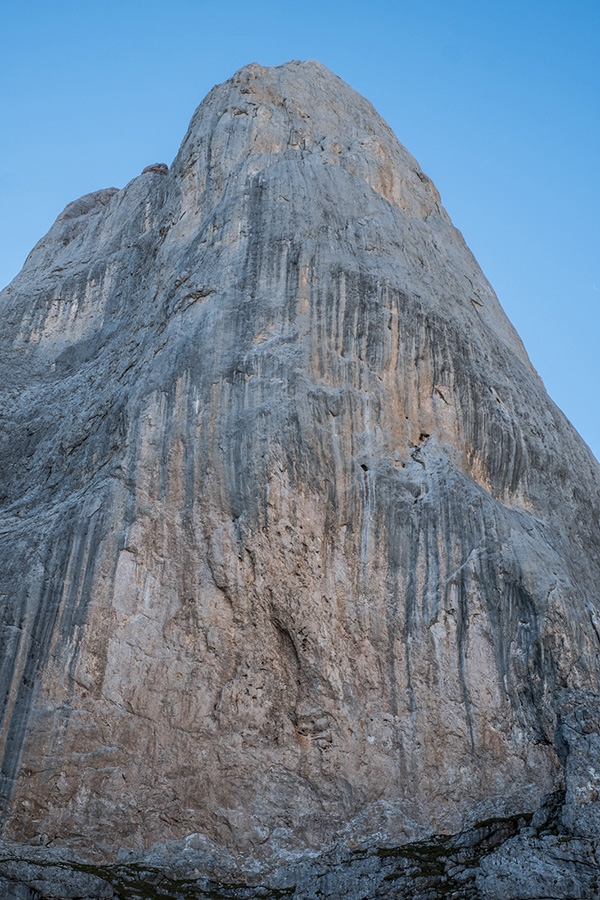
x=296, y=548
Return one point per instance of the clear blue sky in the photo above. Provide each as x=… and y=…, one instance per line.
x=499, y=102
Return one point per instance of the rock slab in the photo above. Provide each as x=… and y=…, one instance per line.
x=297, y=554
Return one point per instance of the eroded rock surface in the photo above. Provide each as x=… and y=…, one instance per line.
x=296, y=550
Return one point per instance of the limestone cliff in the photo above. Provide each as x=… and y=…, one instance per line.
x=296, y=550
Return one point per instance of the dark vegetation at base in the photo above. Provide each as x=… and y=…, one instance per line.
x=442, y=867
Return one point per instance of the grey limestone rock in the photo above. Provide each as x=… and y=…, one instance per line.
x=298, y=557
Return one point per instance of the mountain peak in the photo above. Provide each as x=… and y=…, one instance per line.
x=298, y=556
x=302, y=109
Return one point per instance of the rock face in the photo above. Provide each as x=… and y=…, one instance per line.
x=297, y=552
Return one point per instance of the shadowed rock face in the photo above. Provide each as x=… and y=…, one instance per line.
x=295, y=545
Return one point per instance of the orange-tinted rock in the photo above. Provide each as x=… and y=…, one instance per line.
x=296, y=547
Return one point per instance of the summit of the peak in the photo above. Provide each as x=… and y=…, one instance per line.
x=296, y=67
x=302, y=110
x=298, y=556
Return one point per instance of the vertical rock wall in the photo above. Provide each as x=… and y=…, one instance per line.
x=295, y=545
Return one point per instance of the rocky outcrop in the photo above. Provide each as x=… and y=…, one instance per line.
x=298, y=556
